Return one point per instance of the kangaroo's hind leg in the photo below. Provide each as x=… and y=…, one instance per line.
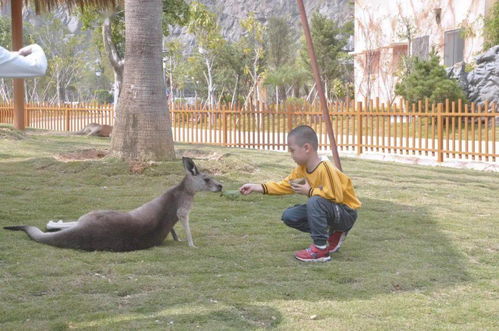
x=174, y=235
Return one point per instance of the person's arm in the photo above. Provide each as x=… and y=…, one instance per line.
x=274, y=188
x=249, y=188
x=284, y=186
x=301, y=188
x=29, y=61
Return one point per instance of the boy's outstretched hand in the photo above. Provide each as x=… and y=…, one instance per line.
x=301, y=188
x=248, y=188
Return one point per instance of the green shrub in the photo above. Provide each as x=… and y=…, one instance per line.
x=340, y=89
x=103, y=96
x=428, y=79
x=296, y=101
x=469, y=67
x=491, y=27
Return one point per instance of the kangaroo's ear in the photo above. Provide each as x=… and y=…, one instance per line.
x=190, y=166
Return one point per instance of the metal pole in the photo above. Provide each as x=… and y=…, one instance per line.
x=318, y=84
x=17, y=43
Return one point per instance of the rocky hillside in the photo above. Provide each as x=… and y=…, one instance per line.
x=482, y=83
x=231, y=12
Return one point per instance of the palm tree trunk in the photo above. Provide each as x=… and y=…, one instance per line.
x=142, y=128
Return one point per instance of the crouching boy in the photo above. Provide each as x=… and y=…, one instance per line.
x=330, y=211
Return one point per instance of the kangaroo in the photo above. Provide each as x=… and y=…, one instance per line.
x=141, y=228
x=96, y=129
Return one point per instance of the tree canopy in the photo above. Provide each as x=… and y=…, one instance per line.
x=491, y=27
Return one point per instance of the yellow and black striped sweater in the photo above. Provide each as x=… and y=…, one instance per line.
x=325, y=181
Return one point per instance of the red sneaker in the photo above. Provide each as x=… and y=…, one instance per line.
x=313, y=254
x=335, y=240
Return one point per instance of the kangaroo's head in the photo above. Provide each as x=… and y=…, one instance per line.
x=198, y=181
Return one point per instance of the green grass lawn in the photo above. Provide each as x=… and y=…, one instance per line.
x=423, y=254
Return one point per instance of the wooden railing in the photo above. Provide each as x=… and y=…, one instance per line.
x=60, y=117
x=449, y=130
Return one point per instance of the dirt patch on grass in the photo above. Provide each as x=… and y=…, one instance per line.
x=213, y=163
x=82, y=155
x=137, y=167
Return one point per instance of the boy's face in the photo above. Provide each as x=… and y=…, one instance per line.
x=299, y=154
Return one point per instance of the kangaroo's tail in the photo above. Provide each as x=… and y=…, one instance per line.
x=32, y=231
x=15, y=228
x=35, y=233
x=69, y=237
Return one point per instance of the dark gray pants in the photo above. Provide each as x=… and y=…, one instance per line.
x=320, y=217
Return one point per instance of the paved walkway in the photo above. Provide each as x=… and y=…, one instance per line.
x=422, y=160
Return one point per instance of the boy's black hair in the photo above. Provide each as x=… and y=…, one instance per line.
x=304, y=134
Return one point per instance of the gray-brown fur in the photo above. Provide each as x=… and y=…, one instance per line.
x=96, y=129
x=143, y=227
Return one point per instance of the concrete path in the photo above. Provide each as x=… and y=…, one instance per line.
x=422, y=160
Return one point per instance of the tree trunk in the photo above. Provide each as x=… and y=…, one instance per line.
x=116, y=62
x=116, y=88
x=170, y=76
x=58, y=88
x=209, y=81
x=142, y=128
x=235, y=94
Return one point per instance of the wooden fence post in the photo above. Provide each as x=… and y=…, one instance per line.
x=26, y=115
x=224, y=121
x=66, y=117
x=359, y=127
x=440, y=136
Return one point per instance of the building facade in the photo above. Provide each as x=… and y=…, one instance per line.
x=386, y=31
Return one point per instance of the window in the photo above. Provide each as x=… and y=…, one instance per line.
x=438, y=15
x=453, y=48
x=398, y=52
x=420, y=47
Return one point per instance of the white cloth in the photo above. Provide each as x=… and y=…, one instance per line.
x=13, y=65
